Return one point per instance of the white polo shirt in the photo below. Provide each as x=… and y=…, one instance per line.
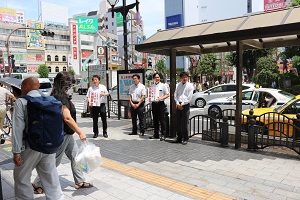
x=137, y=91
x=161, y=89
x=93, y=94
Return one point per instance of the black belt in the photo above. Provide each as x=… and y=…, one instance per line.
x=137, y=102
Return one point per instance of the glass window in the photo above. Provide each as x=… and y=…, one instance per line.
x=49, y=68
x=64, y=69
x=56, y=69
x=48, y=58
x=56, y=58
x=230, y=88
x=293, y=108
x=64, y=58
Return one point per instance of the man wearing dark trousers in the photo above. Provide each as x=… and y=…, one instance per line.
x=161, y=92
x=137, y=96
x=183, y=95
x=97, y=98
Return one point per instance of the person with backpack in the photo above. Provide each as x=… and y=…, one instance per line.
x=29, y=150
x=62, y=82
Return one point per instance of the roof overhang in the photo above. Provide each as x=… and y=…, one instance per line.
x=257, y=31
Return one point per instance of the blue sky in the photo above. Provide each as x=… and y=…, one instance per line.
x=152, y=11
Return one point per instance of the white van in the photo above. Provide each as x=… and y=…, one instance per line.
x=45, y=86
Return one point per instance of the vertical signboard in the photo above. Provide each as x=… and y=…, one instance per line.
x=119, y=23
x=87, y=25
x=270, y=5
x=74, y=38
x=34, y=38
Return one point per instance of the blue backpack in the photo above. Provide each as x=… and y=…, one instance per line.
x=45, y=131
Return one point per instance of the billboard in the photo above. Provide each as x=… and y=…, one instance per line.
x=173, y=21
x=87, y=25
x=11, y=16
x=34, y=38
x=270, y=5
x=119, y=23
x=54, y=13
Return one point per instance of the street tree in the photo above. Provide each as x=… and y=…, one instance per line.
x=296, y=63
x=208, y=66
x=161, y=67
x=43, y=71
x=194, y=67
x=268, y=71
x=71, y=71
x=295, y=3
x=250, y=58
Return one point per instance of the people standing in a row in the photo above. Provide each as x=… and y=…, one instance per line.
x=183, y=96
x=137, y=96
x=97, y=98
x=159, y=107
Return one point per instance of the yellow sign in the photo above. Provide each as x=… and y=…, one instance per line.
x=34, y=38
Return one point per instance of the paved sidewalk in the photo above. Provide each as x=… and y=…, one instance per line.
x=138, y=168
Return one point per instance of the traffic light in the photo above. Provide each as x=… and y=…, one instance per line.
x=47, y=33
x=12, y=61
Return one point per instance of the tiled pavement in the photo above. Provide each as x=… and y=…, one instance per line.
x=235, y=173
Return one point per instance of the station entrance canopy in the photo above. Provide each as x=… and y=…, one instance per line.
x=255, y=31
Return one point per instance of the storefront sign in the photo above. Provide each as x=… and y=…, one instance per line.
x=270, y=5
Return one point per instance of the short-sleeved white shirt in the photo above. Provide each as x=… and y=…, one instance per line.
x=93, y=94
x=137, y=91
x=162, y=89
x=3, y=94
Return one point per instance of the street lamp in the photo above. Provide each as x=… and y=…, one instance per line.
x=124, y=11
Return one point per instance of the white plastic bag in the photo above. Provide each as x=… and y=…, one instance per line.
x=88, y=157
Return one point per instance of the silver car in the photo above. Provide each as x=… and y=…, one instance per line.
x=251, y=98
x=200, y=99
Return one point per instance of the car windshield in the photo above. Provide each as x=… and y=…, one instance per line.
x=284, y=93
x=45, y=85
x=282, y=106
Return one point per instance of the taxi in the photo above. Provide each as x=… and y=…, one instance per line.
x=269, y=117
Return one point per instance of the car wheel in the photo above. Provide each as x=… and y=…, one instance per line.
x=200, y=103
x=217, y=110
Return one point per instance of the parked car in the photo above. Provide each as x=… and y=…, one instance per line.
x=285, y=113
x=251, y=98
x=200, y=99
x=45, y=86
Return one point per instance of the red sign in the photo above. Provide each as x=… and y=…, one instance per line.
x=270, y=5
x=75, y=53
x=74, y=28
x=86, y=54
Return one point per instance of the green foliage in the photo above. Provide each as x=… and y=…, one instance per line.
x=296, y=62
x=161, y=66
x=295, y=90
x=250, y=58
x=289, y=52
x=295, y=3
x=43, y=71
x=71, y=71
x=194, y=67
x=206, y=66
x=268, y=72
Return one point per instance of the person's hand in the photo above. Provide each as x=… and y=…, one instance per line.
x=180, y=107
x=158, y=99
x=101, y=94
x=82, y=137
x=18, y=160
x=134, y=106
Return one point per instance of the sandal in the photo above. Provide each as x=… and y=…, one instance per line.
x=37, y=190
x=83, y=185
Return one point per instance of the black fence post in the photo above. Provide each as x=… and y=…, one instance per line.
x=297, y=124
x=1, y=192
x=251, y=136
x=213, y=123
x=224, y=132
x=167, y=123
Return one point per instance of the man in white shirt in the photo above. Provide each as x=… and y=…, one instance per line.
x=97, y=98
x=183, y=96
x=158, y=106
x=137, y=96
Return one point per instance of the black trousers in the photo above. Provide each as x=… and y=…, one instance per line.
x=138, y=112
x=182, y=121
x=158, y=112
x=95, y=113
